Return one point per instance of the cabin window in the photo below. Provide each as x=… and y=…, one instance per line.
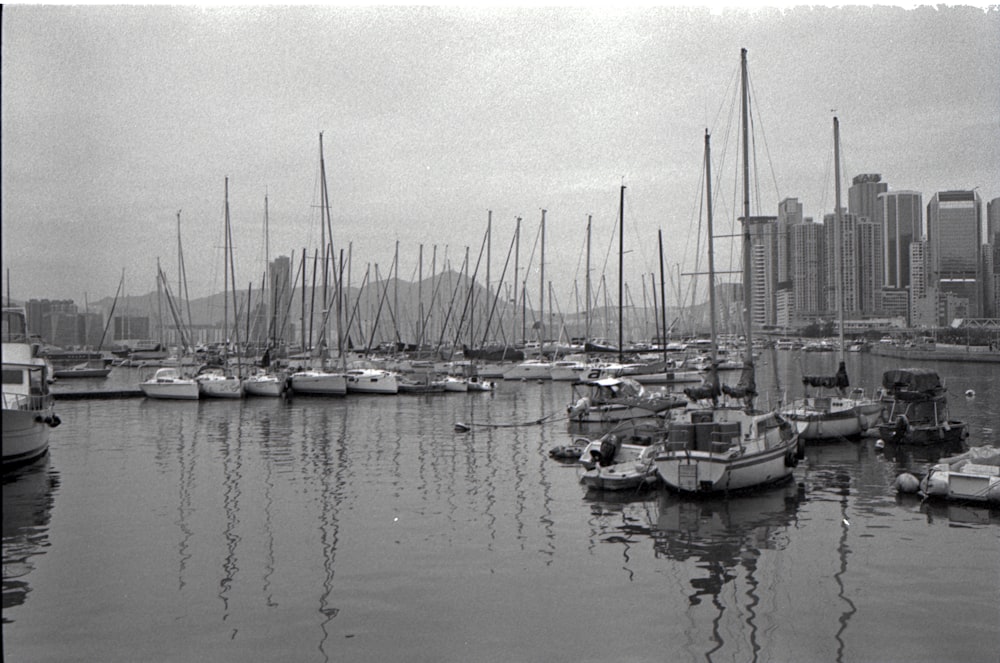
x=11, y=376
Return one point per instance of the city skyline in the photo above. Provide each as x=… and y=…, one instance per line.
x=446, y=113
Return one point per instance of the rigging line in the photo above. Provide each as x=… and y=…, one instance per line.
x=763, y=135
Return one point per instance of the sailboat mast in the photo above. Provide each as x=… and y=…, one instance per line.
x=541, y=290
x=663, y=298
x=517, y=276
x=225, y=271
x=621, y=272
x=587, y=332
x=747, y=245
x=711, y=255
x=837, y=230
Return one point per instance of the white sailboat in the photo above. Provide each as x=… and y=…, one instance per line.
x=834, y=415
x=168, y=383
x=715, y=447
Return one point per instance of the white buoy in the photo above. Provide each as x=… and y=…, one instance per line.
x=880, y=444
x=907, y=483
x=970, y=393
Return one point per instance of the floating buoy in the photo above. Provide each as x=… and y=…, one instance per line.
x=461, y=428
x=970, y=393
x=880, y=444
x=907, y=483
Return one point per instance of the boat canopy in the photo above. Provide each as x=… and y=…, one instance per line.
x=923, y=381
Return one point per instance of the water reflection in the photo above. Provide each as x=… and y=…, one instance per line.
x=28, y=496
x=725, y=538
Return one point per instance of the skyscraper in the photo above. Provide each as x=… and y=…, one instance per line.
x=903, y=218
x=847, y=270
x=789, y=214
x=808, y=267
x=863, y=197
x=955, y=238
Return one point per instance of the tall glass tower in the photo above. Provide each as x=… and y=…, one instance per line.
x=955, y=239
x=903, y=220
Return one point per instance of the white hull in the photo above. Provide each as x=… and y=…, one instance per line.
x=268, y=385
x=372, y=382
x=317, y=383
x=602, y=414
x=229, y=387
x=456, y=385
x=529, y=370
x=632, y=468
x=187, y=390
x=25, y=438
x=568, y=372
x=478, y=384
x=822, y=419
x=743, y=452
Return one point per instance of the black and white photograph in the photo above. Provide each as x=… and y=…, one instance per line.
x=506, y=332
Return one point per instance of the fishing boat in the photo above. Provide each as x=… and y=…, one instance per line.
x=614, y=465
x=916, y=409
x=608, y=400
x=28, y=409
x=834, y=415
x=713, y=446
x=168, y=383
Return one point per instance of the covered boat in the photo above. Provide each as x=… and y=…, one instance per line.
x=916, y=409
x=607, y=400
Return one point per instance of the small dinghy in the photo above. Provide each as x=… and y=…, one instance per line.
x=973, y=476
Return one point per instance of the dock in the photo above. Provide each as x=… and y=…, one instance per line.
x=96, y=394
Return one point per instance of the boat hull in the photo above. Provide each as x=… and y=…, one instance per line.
x=268, y=386
x=321, y=384
x=706, y=472
x=925, y=434
x=225, y=388
x=839, y=420
x=25, y=436
x=529, y=371
x=185, y=391
x=372, y=383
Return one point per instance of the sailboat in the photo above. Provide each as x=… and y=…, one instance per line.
x=837, y=415
x=714, y=447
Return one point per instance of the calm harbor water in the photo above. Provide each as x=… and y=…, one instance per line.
x=367, y=529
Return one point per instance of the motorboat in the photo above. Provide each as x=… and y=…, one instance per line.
x=86, y=369
x=916, y=409
x=455, y=383
x=168, y=383
x=28, y=408
x=371, y=381
x=607, y=400
x=972, y=476
x=614, y=465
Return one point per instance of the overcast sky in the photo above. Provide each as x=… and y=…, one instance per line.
x=115, y=118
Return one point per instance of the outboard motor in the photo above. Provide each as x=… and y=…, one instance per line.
x=579, y=408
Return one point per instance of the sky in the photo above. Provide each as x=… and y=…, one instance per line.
x=116, y=118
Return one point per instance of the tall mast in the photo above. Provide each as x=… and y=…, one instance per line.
x=747, y=245
x=663, y=298
x=517, y=282
x=837, y=230
x=587, y=331
x=621, y=251
x=489, y=253
x=711, y=256
x=541, y=290
x=225, y=271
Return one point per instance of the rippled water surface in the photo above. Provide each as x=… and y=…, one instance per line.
x=367, y=529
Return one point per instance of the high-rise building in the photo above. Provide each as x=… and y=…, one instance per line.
x=847, y=270
x=869, y=262
x=955, y=237
x=863, y=197
x=808, y=267
x=993, y=221
x=923, y=295
x=763, y=270
x=903, y=218
x=789, y=214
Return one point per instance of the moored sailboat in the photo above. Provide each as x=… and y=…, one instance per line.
x=719, y=447
x=838, y=415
